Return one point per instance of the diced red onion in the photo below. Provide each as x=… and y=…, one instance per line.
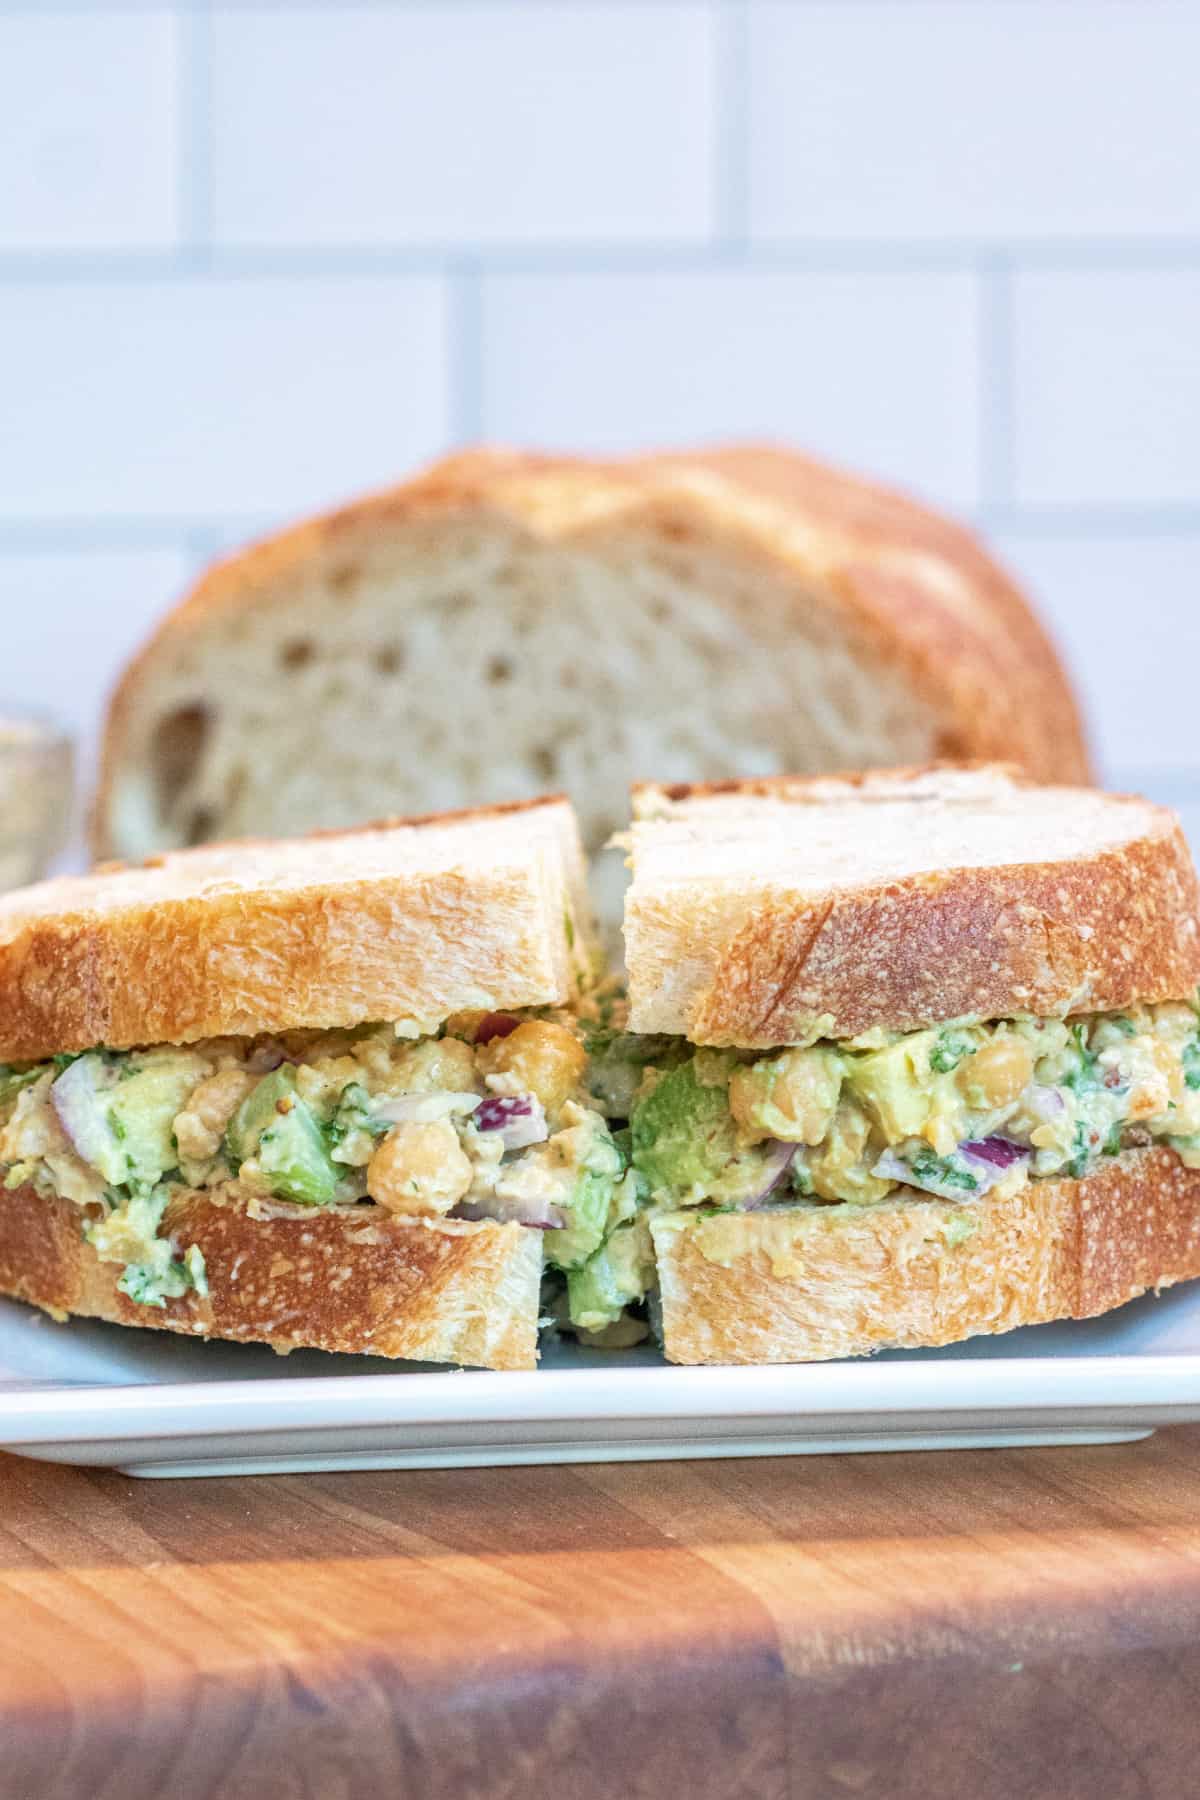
x=74, y=1097
x=984, y=1165
x=519, y=1118
x=534, y=1213
x=778, y=1161
x=1001, y=1152
x=1044, y=1102
x=495, y=1025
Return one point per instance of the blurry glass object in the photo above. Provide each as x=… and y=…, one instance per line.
x=36, y=788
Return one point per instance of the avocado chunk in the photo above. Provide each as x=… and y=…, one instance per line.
x=120, y=1112
x=685, y=1143
x=152, y=1090
x=894, y=1085
x=594, y=1197
x=276, y=1129
x=619, y=1273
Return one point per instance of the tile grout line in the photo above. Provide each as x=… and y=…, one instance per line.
x=759, y=258
x=730, y=109
x=997, y=383
x=194, y=148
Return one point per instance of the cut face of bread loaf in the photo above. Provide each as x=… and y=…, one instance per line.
x=779, y=912
x=505, y=624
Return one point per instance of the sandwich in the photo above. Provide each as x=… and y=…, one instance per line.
x=324, y=1093
x=904, y=1057
x=518, y=622
x=908, y=1057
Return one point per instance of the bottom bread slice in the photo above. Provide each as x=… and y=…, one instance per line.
x=332, y=1278
x=813, y=1282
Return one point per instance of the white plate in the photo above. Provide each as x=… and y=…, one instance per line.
x=154, y=1405
x=151, y=1404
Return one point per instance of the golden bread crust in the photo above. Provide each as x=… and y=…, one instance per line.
x=823, y=1282
x=332, y=1278
x=330, y=930
x=1098, y=930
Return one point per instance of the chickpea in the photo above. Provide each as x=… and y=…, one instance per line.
x=419, y=1171
x=544, y=1058
x=434, y=1065
x=200, y=1127
x=997, y=1074
x=790, y=1096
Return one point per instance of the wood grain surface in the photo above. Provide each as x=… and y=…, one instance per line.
x=988, y=1626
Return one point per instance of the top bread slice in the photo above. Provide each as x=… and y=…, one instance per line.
x=774, y=912
x=407, y=920
x=507, y=623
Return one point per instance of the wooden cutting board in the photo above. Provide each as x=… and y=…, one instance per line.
x=993, y=1625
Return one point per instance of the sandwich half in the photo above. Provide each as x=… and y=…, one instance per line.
x=326, y=1092
x=917, y=1057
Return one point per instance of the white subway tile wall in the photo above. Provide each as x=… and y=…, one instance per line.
x=258, y=254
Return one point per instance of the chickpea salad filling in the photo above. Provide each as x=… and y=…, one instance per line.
x=490, y=1119
x=958, y=1111
x=569, y=1124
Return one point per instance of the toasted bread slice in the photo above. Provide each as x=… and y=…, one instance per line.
x=812, y=1282
x=507, y=622
x=408, y=920
x=766, y=913
x=348, y=1278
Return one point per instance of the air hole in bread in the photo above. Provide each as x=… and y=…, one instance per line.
x=543, y=762
x=176, y=746
x=389, y=659
x=499, y=669
x=201, y=825
x=344, y=577
x=296, y=653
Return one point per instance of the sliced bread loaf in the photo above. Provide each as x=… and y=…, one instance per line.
x=504, y=624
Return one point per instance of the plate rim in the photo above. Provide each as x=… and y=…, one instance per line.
x=100, y=1412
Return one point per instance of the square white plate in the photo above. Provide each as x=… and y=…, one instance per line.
x=154, y=1405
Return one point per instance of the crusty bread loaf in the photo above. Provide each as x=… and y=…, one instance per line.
x=406, y=920
x=766, y=913
x=507, y=623
x=815, y=1282
x=331, y=1278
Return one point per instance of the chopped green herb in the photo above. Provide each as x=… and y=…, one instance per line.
x=928, y=1167
x=1083, y=1075
x=1191, y=1063
x=951, y=1049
